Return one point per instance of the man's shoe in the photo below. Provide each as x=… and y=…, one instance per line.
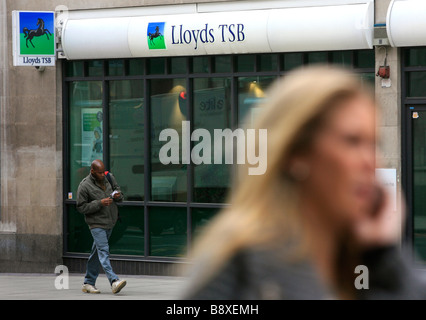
x=117, y=285
x=88, y=288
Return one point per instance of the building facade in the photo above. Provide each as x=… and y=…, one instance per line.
x=127, y=70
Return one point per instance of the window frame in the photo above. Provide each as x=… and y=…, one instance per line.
x=147, y=203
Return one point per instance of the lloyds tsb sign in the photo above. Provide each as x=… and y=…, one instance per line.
x=193, y=36
x=226, y=33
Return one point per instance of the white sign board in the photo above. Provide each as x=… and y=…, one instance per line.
x=215, y=33
x=387, y=178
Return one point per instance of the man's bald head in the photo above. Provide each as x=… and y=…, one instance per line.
x=97, y=164
x=97, y=169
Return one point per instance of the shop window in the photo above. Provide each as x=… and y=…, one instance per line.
x=415, y=57
x=292, y=60
x=342, y=58
x=168, y=111
x=416, y=84
x=365, y=59
x=115, y=67
x=268, y=62
x=251, y=93
x=95, y=68
x=78, y=236
x=246, y=63
x=222, y=64
x=368, y=79
x=178, y=65
x=202, y=89
x=168, y=228
x=317, y=57
x=75, y=69
x=212, y=106
x=128, y=237
x=136, y=67
x=200, y=218
x=86, y=129
x=157, y=66
x=200, y=64
x=126, y=136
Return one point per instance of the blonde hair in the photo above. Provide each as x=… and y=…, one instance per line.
x=264, y=208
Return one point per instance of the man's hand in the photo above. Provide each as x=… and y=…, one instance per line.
x=106, y=202
x=116, y=195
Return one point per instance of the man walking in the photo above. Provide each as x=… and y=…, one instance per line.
x=96, y=199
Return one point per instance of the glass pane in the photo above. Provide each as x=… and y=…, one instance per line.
x=246, y=63
x=415, y=57
x=368, y=79
x=86, y=128
x=251, y=91
x=292, y=60
x=419, y=182
x=365, y=58
x=128, y=235
x=212, y=105
x=317, y=57
x=75, y=68
x=167, y=231
x=178, y=65
x=222, y=64
x=95, y=68
x=136, y=67
x=115, y=67
x=200, y=218
x=268, y=62
x=416, y=84
x=200, y=64
x=126, y=129
x=157, y=66
x=79, y=238
x=342, y=57
x=168, y=111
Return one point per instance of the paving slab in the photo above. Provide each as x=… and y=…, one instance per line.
x=45, y=287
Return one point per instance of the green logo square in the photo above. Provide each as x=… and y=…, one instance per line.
x=155, y=35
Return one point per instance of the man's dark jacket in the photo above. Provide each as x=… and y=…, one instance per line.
x=89, y=196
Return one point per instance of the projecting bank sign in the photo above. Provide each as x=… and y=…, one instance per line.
x=216, y=33
x=202, y=34
x=33, y=38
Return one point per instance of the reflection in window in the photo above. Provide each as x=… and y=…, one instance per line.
x=115, y=67
x=79, y=238
x=128, y=236
x=419, y=183
x=416, y=84
x=292, y=60
x=200, y=218
x=251, y=92
x=167, y=231
x=86, y=128
x=168, y=111
x=212, y=103
x=126, y=123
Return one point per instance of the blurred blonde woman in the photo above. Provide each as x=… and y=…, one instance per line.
x=299, y=230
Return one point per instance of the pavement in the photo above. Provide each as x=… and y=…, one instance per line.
x=56, y=287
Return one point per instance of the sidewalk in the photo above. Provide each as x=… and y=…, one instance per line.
x=42, y=287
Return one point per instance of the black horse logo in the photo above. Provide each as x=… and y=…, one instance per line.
x=157, y=34
x=30, y=34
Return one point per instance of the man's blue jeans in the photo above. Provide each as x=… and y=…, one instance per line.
x=99, y=256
